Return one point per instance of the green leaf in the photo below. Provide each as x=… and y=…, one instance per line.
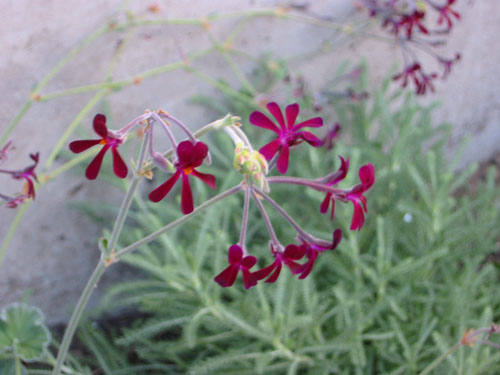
x=22, y=332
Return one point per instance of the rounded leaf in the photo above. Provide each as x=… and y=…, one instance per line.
x=23, y=332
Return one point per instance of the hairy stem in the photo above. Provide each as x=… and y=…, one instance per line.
x=153, y=236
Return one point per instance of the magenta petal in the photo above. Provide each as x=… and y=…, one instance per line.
x=249, y=278
x=185, y=151
x=270, y=149
x=161, y=191
x=306, y=269
x=119, y=166
x=367, y=175
x=311, y=139
x=358, y=217
x=249, y=261
x=200, y=152
x=294, y=252
x=332, y=214
x=187, y=205
x=264, y=272
x=80, y=146
x=291, y=114
x=262, y=121
x=206, y=178
x=275, y=274
x=282, y=164
x=325, y=204
x=337, y=237
x=276, y=112
x=92, y=170
x=315, y=122
x=234, y=254
x=227, y=276
x=100, y=125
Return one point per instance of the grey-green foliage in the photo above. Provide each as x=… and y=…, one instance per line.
x=391, y=299
x=23, y=333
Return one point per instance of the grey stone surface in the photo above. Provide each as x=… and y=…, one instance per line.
x=54, y=249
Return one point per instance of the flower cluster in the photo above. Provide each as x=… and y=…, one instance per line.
x=298, y=256
x=183, y=160
x=190, y=154
x=26, y=174
x=408, y=22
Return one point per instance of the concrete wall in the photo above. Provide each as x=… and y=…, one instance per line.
x=54, y=249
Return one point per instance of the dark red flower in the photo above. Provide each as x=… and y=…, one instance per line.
x=237, y=263
x=288, y=133
x=312, y=250
x=189, y=156
x=421, y=80
x=409, y=21
x=28, y=174
x=334, y=179
x=446, y=13
x=355, y=195
x=289, y=257
x=109, y=141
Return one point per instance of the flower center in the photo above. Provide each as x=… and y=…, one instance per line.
x=103, y=142
x=188, y=170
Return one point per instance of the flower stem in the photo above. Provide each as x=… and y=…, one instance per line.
x=339, y=193
x=244, y=219
x=440, y=359
x=12, y=230
x=76, y=316
x=127, y=201
x=265, y=216
x=15, y=121
x=153, y=236
x=285, y=215
x=18, y=365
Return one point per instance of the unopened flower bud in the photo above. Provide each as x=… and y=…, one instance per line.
x=251, y=163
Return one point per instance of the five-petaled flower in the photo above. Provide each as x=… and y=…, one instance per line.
x=312, y=250
x=108, y=141
x=289, y=256
x=238, y=261
x=355, y=195
x=421, y=80
x=289, y=133
x=189, y=156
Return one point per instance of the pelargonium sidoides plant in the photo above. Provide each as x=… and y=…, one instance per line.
x=184, y=160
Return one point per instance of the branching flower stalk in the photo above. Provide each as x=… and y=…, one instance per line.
x=182, y=162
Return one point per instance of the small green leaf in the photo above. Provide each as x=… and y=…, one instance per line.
x=22, y=332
